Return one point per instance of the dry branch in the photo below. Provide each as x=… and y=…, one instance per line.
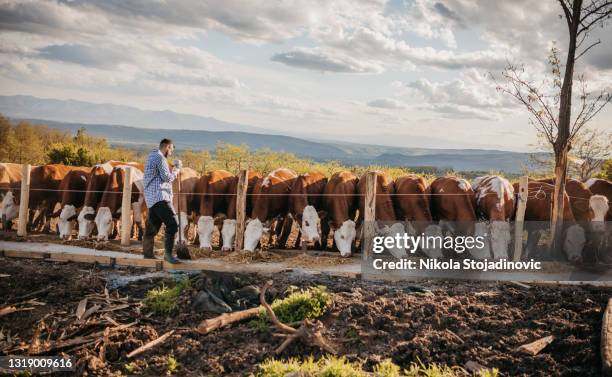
x=534, y=348
x=150, y=345
x=225, y=319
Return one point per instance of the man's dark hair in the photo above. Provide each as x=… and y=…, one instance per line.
x=165, y=142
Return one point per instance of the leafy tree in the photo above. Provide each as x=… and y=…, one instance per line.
x=232, y=158
x=27, y=145
x=200, y=161
x=606, y=170
x=6, y=134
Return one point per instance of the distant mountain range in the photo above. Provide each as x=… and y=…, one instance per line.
x=357, y=154
x=86, y=112
x=148, y=127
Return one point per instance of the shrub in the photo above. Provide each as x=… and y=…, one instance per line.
x=387, y=368
x=297, y=306
x=277, y=368
x=163, y=299
x=334, y=366
x=419, y=369
x=338, y=367
x=171, y=365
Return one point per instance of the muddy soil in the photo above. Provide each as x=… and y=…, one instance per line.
x=435, y=321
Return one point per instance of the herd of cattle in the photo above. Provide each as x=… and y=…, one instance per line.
x=91, y=198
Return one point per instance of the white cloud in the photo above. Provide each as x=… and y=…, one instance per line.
x=387, y=103
x=326, y=61
x=471, y=94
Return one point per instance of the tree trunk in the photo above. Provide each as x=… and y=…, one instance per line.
x=558, y=203
x=562, y=144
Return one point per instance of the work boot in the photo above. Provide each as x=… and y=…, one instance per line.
x=148, y=243
x=169, y=245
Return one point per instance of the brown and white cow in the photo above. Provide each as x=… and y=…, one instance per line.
x=495, y=204
x=72, y=191
x=340, y=202
x=10, y=180
x=189, y=179
x=109, y=208
x=454, y=206
x=385, y=208
x=603, y=188
x=305, y=201
x=44, y=195
x=412, y=205
x=96, y=183
x=214, y=190
x=589, y=208
x=539, y=209
x=270, y=201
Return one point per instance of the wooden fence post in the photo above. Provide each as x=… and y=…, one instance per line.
x=241, y=198
x=520, y=217
x=369, y=215
x=126, y=206
x=24, y=201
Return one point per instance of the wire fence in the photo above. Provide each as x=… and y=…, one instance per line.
x=531, y=194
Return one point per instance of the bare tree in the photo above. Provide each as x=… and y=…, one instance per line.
x=590, y=150
x=550, y=102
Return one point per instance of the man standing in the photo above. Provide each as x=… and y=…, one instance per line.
x=158, y=197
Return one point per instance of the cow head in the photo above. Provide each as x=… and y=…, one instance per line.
x=500, y=239
x=574, y=243
x=66, y=221
x=253, y=232
x=10, y=207
x=86, y=222
x=433, y=249
x=598, y=206
x=206, y=225
x=344, y=237
x=310, y=225
x=104, y=223
x=228, y=233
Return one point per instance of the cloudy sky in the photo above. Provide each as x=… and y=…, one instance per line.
x=397, y=72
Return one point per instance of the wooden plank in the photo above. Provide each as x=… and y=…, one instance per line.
x=81, y=258
x=24, y=200
x=520, y=217
x=241, y=198
x=126, y=204
x=606, y=341
x=369, y=215
x=24, y=254
x=136, y=262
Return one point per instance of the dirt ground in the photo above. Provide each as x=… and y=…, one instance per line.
x=448, y=322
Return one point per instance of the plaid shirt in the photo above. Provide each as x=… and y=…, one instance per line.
x=157, y=179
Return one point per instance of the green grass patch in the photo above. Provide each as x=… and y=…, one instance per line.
x=164, y=300
x=340, y=367
x=171, y=365
x=297, y=306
